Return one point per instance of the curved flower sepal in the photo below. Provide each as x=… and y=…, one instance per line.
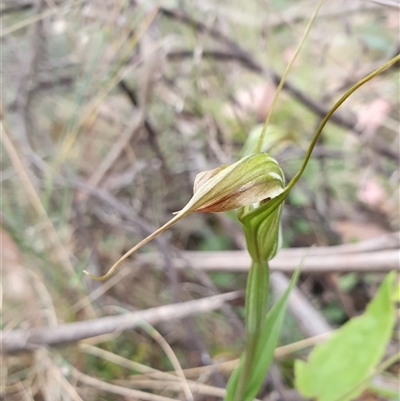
x=252, y=179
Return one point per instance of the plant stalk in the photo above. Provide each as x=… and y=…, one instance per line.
x=257, y=292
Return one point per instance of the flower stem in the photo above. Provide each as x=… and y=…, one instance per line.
x=257, y=292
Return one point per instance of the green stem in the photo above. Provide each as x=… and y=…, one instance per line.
x=256, y=309
x=285, y=74
x=273, y=204
x=348, y=93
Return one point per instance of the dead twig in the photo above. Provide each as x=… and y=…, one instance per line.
x=25, y=340
x=287, y=261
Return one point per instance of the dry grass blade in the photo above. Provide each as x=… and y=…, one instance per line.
x=157, y=376
x=38, y=17
x=32, y=195
x=288, y=349
x=174, y=385
x=46, y=299
x=66, y=385
x=112, y=388
x=91, y=107
x=227, y=367
x=172, y=357
x=126, y=363
x=131, y=131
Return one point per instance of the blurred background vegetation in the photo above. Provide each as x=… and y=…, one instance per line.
x=113, y=107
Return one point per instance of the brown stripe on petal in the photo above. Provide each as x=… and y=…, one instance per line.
x=246, y=195
x=217, y=206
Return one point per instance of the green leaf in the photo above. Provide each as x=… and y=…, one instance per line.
x=340, y=368
x=396, y=293
x=234, y=380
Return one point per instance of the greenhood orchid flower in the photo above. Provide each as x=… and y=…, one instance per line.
x=254, y=179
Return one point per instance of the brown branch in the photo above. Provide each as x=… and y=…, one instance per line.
x=25, y=340
x=383, y=242
x=288, y=260
x=382, y=261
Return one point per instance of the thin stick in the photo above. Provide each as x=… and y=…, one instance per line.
x=286, y=261
x=36, y=337
x=288, y=349
x=131, y=131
